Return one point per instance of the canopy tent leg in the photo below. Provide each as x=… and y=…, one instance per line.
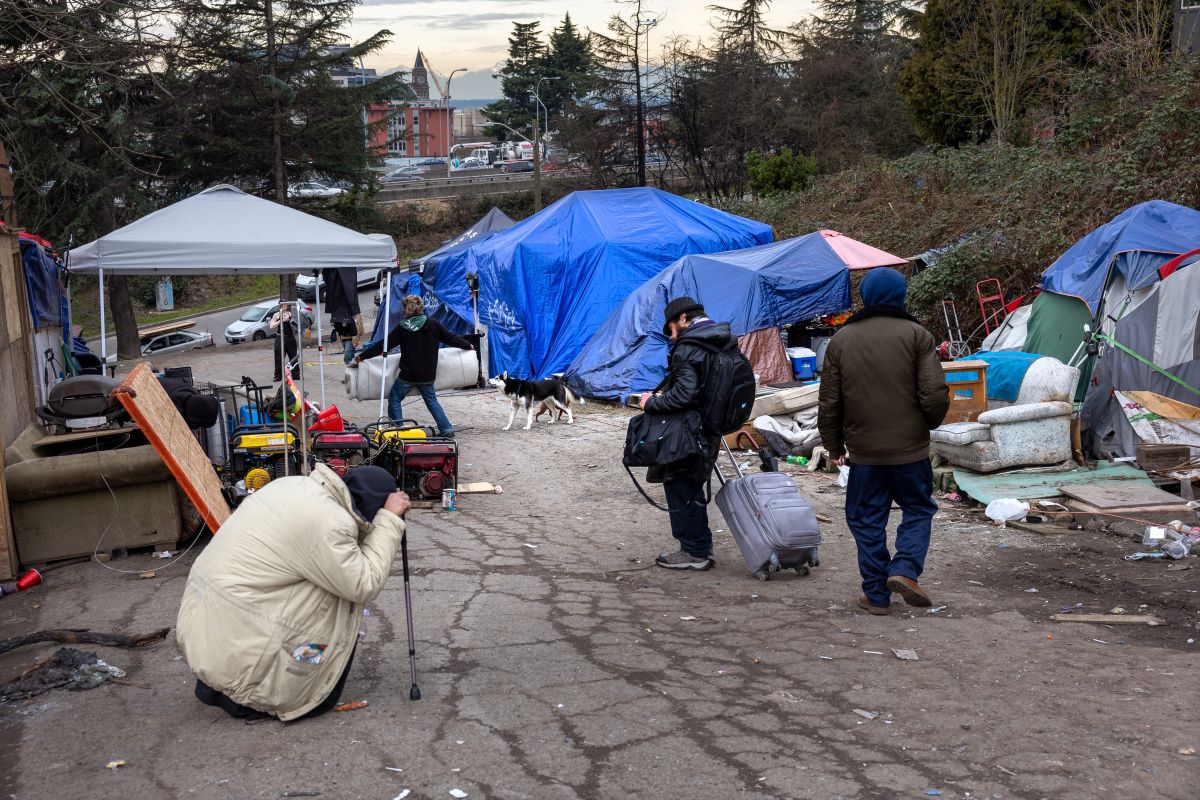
x=103, y=328
x=387, y=329
x=320, y=340
x=300, y=367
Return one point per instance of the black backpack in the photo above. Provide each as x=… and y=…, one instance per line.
x=729, y=389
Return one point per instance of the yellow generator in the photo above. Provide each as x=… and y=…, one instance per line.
x=257, y=454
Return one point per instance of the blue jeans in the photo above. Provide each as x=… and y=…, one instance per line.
x=347, y=350
x=869, y=496
x=400, y=390
x=689, y=515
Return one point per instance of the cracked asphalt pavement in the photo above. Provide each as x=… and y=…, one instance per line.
x=556, y=662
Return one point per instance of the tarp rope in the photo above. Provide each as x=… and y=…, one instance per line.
x=1111, y=341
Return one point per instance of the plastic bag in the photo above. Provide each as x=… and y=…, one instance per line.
x=1006, y=510
x=843, y=477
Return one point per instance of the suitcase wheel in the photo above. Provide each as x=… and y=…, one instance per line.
x=763, y=575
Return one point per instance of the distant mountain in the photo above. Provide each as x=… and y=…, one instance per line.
x=475, y=84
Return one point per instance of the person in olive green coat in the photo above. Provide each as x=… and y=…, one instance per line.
x=882, y=391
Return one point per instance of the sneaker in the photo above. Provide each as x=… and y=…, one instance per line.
x=446, y=434
x=910, y=590
x=682, y=560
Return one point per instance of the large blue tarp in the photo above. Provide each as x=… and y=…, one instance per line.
x=1135, y=243
x=549, y=282
x=751, y=289
x=433, y=280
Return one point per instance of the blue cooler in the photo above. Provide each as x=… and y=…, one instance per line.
x=804, y=362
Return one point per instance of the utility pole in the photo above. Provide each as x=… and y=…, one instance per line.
x=537, y=143
x=450, y=118
x=287, y=284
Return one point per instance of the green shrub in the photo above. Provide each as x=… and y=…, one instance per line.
x=785, y=173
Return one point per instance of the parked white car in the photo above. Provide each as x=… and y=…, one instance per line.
x=313, y=189
x=177, y=342
x=255, y=324
x=306, y=284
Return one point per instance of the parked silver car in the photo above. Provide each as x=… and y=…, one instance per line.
x=177, y=342
x=255, y=324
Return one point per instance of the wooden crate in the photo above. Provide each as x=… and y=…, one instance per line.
x=968, y=389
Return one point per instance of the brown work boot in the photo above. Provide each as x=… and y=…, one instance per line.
x=910, y=590
x=879, y=611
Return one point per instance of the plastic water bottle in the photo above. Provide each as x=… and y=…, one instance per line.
x=799, y=460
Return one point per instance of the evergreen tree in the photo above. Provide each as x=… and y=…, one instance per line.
x=850, y=54
x=570, y=60
x=526, y=63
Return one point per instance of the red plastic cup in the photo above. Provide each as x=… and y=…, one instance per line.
x=29, y=580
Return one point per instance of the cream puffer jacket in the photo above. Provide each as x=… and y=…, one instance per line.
x=272, y=606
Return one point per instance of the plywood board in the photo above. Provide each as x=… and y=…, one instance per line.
x=1108, y=494
x=156, y=415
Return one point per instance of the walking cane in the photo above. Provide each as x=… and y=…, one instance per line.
x=414, y=693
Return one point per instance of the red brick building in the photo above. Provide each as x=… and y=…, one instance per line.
x=410, y=130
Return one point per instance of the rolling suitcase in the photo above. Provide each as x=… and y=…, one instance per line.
x=772, y=523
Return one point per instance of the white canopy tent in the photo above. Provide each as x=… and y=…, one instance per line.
x=224, y=231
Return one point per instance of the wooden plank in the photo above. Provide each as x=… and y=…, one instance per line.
x=481, y=487
x=166, y=327
x=1110, y=619
x=1104, y=495
x=156, y=415
x=1040, y=528
x=50, y=442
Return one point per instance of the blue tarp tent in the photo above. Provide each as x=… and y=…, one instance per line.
x=547, y=283
x=434, y=280
x=752, y=289
x=1135, y=243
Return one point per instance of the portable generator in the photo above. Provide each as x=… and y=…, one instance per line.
x=340, y=450
x=256, y=455
x=421, y=464
x=424, y=468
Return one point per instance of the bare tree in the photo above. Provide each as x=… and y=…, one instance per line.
x=1005, y=61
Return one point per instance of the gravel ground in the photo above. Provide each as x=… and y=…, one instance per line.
x=556, y=662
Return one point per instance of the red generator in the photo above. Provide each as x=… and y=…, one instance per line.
x=425, y=467
x=340, y=450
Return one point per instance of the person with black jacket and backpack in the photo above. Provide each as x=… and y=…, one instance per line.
x=695, y=340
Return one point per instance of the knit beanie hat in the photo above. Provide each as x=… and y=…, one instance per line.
x=883, y=286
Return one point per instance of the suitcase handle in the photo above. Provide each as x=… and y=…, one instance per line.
x=737, y=470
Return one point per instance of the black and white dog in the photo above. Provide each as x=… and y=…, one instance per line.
x=536, y=397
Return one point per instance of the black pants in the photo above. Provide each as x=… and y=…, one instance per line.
x=211, y=697
x=289, y=346
x=689, y=514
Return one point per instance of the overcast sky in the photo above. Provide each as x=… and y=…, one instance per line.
x=474, y=33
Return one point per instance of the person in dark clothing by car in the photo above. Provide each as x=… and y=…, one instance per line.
x=418, y=337
x=684, y=482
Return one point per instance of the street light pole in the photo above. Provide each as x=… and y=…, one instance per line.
x=537, y=142
x=449, y=118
